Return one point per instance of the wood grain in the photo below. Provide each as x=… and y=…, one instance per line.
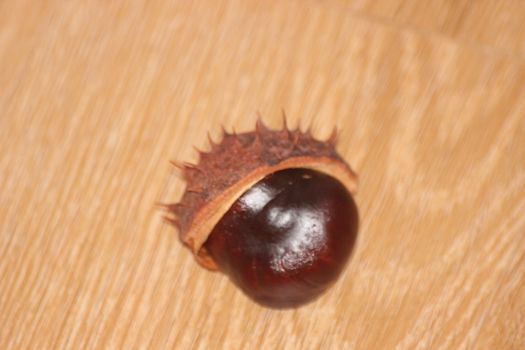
x=491, y=25
x=97, y=97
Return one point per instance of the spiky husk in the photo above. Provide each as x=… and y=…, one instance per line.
x=235, y=164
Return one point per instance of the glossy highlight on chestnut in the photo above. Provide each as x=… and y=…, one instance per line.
x=286, y=239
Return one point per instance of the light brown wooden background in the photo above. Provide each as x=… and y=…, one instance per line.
x=97, y=96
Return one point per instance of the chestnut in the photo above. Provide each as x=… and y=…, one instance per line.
x=273, y=210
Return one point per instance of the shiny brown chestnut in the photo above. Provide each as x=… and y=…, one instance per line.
x=273, y=211
x=287, y=238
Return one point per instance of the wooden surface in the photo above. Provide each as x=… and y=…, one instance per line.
x=97, y=96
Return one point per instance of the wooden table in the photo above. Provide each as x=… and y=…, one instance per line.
x=97, y=96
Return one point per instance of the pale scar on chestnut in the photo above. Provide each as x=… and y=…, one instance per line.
x=272, y=209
